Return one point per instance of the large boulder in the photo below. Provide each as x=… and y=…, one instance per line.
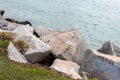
x=105, y=67
x=42, y=31
x=68, y=45
x=37, y=50
x=69, y=68
x=15, y=55
x=110, y=48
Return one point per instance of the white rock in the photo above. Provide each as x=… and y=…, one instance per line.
x=37, y=50
x=15, y=55
x=69, y=68
x=12, y=26
x=21, y=31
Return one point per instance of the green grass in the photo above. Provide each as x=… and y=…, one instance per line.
x=3, y=44
x=10, y=70
x=94, y=79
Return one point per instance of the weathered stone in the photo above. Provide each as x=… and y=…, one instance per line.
x=29, y=28
x=69, y=68
x=37, y=50
x=42, y=31
x=15, y=55
x=85, y=75
x=105, y=67
x=68, y=45
x=21, y=31
x=110, y=48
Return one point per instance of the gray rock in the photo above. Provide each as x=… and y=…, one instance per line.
x=85, y=75
x=69, y=68
x=110, y=48
x=102, y=66
x=3, y=23
x=68, y=45
x=42, y=31
x=37, y=50
x=15, y=55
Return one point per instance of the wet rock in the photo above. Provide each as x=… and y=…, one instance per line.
x=69, y=68
x=18, y=22
x=102, y=66
x=110, y=48
x=68, y=45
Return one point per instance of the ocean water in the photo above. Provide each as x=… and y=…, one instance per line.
x=98, y=20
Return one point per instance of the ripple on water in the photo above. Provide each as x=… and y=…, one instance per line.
x=98, y=20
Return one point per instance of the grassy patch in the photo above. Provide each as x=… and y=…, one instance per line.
x=10, y=70
x=3, y=45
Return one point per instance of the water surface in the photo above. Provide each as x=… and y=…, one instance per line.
x=98, y=20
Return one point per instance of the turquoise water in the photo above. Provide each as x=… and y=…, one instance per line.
x=98, y=20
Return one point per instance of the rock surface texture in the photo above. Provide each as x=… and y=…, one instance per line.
x=15, y=55
x=13, y=26
x=105, y=67
x=68, y=45
x=69, y=68
x=110, y=48
x=43, y=31
x=37, y=50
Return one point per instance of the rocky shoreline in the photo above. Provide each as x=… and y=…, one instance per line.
x=62, y=51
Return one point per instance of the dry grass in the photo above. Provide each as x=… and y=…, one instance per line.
x=7, y=36
x=21, y=45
